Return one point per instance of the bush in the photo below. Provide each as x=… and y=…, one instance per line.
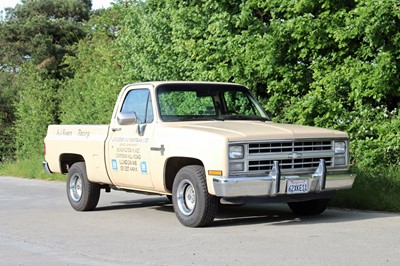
x=374, y=189
x=35, y=110
x=29, y=168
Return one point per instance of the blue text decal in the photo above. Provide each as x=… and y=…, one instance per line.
x=143, y=167
x=114, y=165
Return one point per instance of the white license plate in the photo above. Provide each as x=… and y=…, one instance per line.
x=297, y=186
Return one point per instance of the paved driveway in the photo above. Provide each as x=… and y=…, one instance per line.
x=38, y=227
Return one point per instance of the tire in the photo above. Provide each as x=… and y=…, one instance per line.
x=308, y=208
x=193, y=205
x=83, y=195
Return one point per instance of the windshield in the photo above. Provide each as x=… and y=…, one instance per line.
x=189, y=102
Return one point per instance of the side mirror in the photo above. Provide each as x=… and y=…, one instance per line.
x=128, y=118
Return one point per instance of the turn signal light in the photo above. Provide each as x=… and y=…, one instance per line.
x=215, y=172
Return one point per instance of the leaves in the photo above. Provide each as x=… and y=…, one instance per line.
x=89, y=95
x=325, y=63
x=34, y=109
x=34, y=38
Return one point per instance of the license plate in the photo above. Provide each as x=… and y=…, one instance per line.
x=297, y=186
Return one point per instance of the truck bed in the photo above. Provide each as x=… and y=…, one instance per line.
x=87, y=141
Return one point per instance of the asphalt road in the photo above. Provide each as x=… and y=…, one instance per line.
x=38, y=227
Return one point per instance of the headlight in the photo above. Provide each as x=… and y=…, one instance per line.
x=236, y=152
x=340, y=147
x=236, y=166
x=340, y=153
x=340, y=161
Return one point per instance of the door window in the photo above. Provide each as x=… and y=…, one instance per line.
x=139, y=101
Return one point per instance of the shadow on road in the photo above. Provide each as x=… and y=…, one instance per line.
x=277, y=214
x=271, y=214
x=133, y=204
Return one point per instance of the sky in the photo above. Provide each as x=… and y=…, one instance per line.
x=95, y=3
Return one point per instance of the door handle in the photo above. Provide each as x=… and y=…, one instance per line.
x=161, y=149
x=116, y=129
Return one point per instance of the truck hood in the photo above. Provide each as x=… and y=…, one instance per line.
x=258, y=130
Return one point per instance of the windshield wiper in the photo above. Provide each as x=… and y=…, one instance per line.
x=199, y=118
x=245, y=117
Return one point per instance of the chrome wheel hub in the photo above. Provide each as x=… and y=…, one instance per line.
x=75, y=187
x=186, y=197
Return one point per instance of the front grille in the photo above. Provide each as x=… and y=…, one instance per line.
x=289, y=164
x=298, y=156
x=297, y=146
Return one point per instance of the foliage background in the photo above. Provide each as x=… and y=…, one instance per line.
x=325, y=63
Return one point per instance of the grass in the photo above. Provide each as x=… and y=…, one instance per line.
x=28, y=168
x=374, y=189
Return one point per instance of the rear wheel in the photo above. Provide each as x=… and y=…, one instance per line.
x=311, y=207
x=193, y=205
x=83, y=195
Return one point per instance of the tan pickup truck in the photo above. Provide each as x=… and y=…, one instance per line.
x=201, y=144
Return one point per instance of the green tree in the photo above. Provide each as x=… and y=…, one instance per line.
x=322, y=63
x=41, y=31
x=89, y=95
x=164, y=40
x=34, y=38
x=332, y=64
x=7, y=97
x=34, y=110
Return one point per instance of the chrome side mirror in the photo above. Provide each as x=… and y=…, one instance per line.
x=128, y=118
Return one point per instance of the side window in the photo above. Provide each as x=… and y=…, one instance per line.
x=139, y=101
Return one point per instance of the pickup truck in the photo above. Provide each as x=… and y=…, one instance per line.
x=201, y=144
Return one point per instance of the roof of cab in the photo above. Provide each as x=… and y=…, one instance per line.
x=157, y=83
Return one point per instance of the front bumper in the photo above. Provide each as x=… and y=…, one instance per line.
x=275, y=183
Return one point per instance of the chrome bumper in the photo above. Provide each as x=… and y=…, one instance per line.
x=275, y=184
x=46, y=167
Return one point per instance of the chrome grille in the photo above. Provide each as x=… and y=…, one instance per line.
x=289, y=164
x=293, y=156
x=297, y=146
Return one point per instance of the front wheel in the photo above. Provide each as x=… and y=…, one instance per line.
x=83, y=195
x=192, y=203
x=311, y=207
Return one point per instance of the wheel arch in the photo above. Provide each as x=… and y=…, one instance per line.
x=173, y=165
x=68, y=159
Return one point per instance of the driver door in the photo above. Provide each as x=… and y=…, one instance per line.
x=129, y=141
